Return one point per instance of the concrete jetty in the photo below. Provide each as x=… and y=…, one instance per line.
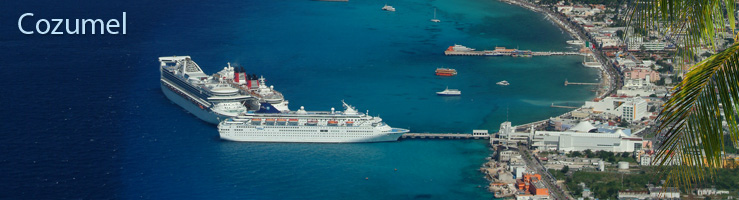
x=447, y=136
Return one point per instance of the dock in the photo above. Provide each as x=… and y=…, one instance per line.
x=575, y=83
x=558, y=106
x=448, y=136
x=535, y=53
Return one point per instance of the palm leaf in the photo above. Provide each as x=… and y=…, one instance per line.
x=691, y=120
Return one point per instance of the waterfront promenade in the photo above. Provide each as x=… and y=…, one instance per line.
x=611, y=77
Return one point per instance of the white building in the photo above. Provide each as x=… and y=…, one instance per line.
x=583, y=137
x=645, y=160
x=635, y=43
x=628, y=109
x=710, y=191
x=507, y=135
x=664, y=192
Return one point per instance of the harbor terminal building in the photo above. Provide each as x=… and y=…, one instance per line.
x=580, y=137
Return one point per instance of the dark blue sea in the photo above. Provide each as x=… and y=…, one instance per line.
x=83, y=116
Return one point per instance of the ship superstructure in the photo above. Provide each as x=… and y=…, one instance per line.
x=213, y=98
x=308, y=126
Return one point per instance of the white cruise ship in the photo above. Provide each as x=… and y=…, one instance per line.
x=308, y=126
x=216, y=97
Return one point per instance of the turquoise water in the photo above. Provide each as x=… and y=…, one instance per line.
x=318, y=53
x=103, y=129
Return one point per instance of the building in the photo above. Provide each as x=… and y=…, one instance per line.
x=709, y=191
x=629, y=109
x=664, y=192
x=507, y=135
x=633, y=195
x=651, y=193
x=646, y=74
x=636, y=43
x=585, y=136
x=580, y=137
x=645, y=159
x=532, y=185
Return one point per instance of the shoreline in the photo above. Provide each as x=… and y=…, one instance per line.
x=605, y=78
x=606, y=87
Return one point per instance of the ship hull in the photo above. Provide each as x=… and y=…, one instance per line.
x=203, y=113
x=288, y=134
x=445, y=74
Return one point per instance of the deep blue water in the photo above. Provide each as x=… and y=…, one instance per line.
x=83, y=115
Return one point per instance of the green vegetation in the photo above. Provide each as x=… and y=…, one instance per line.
x=557, y=174
x=726, y=179
x=605, y=155
x=605, y=185
x=728, y=147
x=689, y=118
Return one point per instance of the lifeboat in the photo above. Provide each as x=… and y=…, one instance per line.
x=350, y=123
x=271, y=121
x=256, y=121
x=281, y=121
x=333, y=123
x=293, y=122
x=312, y=123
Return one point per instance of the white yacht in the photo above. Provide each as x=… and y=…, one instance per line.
x=503, y=83
x=434, y=19
x=388, y=8
x=449, y=92
x=575, y=42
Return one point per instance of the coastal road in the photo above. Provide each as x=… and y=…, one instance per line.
x=614, y=82
x=554, y=190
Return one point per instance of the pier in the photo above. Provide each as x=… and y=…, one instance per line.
x=558, y=106
x=574, y=83
x=448, y=136
x=538, y=53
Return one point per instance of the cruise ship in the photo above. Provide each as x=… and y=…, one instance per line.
x=214, y=98
x=332, y=126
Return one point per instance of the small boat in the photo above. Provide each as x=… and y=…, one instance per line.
x=446, y=72
x=449, y=92
x=575, y=42
x=388, y=8
x=503, y=83
x=434, y=19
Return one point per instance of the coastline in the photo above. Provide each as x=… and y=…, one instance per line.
x=605, y=77
x=492, y=168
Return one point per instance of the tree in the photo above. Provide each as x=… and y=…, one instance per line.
x=575, y=154
x=589, y=153
x=688, y=120
x=565, y=169
x=623, y=123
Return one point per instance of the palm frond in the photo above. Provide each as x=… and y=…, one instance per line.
x=691, y=121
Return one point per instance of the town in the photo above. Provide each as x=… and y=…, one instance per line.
x=604, y=149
